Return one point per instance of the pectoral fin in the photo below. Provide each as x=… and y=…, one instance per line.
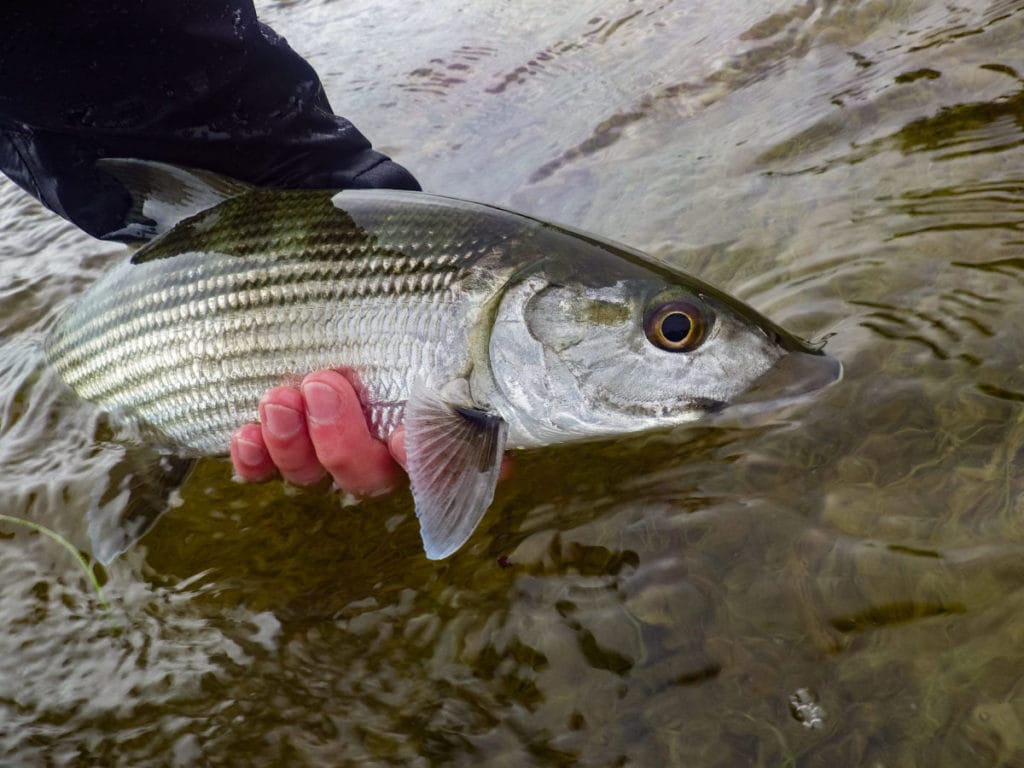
x=454, y=456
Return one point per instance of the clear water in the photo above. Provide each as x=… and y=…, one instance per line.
x=840, y=586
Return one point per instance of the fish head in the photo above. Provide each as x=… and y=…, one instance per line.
x=618, y=344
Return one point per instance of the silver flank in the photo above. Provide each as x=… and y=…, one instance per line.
x=192, y=342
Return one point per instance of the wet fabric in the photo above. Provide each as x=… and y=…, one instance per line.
x=200, y=83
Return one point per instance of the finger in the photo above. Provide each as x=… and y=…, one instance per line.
x=396, y=444
x=249, y=455
x=356, y=460
x=285, y=435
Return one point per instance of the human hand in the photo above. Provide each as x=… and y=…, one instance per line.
x=315, y=429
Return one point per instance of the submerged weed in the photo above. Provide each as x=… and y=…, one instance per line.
x=68, y=546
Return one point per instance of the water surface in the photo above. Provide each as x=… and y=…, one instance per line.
x=841, y=585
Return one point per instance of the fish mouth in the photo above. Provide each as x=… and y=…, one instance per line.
x=794, y=377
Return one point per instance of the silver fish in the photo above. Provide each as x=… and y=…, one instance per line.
x=478, y=328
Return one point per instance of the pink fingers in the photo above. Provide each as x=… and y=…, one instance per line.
x=307, y=432
x=356, y=460
x=319, y=428
x=283, y=419
x=249, y=455
x=396, y=444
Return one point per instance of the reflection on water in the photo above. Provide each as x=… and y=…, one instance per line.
x=444, y=73
x=839, y=584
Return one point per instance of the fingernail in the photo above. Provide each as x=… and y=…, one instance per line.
x=282, y=422
x=322, y=402
x=249, y=453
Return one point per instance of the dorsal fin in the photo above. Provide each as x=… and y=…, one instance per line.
x=163, y=194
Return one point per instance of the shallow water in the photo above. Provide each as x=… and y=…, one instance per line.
x=839, y=586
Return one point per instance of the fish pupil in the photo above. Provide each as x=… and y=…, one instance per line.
x=676, y=327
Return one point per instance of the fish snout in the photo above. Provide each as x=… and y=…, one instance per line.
x=797, y=374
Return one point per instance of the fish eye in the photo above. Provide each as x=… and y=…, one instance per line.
x=675, y=327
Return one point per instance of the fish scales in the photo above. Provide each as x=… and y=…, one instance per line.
x=233, y=301
x=477, y=329
x=225, y=357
